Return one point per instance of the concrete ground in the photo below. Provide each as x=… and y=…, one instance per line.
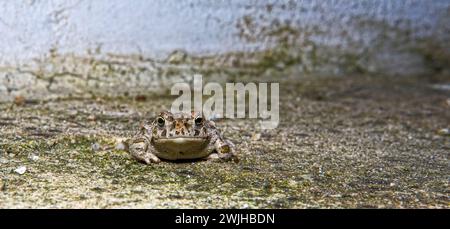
x=354, y=142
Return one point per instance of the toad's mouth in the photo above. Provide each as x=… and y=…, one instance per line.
x=180, y=139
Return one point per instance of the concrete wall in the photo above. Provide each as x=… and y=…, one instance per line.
x=49, y=48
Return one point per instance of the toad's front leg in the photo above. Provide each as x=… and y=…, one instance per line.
x=140, y=148
x=223, y=150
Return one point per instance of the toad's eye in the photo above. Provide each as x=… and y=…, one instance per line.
x=198, y=121
x=160, y=121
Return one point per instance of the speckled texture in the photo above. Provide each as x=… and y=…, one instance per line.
x=347, y=142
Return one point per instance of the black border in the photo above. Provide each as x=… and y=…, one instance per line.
x=148, y=218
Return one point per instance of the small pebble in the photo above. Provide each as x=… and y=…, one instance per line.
x=19, y=100
x=3, y=160
x=120, y=146
x=72, y=112
x=121, y=143
x=91, y=118
x=444, y=131
x=34, y=157
x=336, y=196
x=21, y=170
x=95, y=147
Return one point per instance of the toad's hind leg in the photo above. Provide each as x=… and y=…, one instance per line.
x=142, y=151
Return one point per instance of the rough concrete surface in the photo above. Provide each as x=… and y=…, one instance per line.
x=365, y=142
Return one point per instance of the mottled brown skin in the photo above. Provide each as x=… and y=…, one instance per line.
x=180, y=136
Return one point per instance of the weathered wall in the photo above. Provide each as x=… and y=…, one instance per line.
x=54, y=48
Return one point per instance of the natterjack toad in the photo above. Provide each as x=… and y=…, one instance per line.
x=180, y=136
